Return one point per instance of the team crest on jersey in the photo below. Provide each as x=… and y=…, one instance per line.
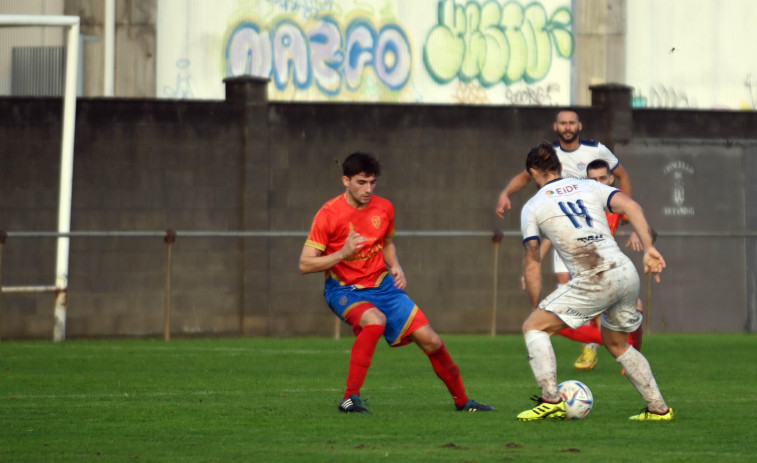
x=343, y=300
x=581, y=166
x=376, y=221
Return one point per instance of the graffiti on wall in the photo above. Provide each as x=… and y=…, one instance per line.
x=663, y=96
x=183, y=88
x=313, y=47
x=496, y=44
x=323, y=54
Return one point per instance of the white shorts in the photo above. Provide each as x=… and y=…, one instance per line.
x=558, y=264
x=612, y=293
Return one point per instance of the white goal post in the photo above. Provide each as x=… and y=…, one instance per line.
x=71, y=23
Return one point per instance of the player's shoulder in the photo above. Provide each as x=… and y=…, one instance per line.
x=379, y=202
x=332, y=206
x=588, y=142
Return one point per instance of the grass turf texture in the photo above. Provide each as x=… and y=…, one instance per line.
x=269, y=400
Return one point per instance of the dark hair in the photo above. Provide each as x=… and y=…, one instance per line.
x=360, y=162
x=543, y=158
x=598, y=164
x=569, y=109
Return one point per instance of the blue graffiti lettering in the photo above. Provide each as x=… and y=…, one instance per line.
x=322, y=55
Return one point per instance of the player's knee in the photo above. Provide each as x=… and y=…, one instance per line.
x=373, y=316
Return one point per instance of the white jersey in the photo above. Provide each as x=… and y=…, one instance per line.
x=574, y=162
x=571, y=214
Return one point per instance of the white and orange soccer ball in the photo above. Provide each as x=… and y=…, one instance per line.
x=578, y=399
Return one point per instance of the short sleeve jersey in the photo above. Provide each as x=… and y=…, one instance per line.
x=574, y=162
x=333, y=223
x=571, y=214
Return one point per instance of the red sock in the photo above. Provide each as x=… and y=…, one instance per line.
x=360, y=357
x=448, y=372
x=634, y=338
x=584, y=333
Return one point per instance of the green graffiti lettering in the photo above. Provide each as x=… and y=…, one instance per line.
x=492, y=43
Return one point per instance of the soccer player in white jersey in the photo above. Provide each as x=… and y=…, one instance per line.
x=575, y=154
x=571, y=214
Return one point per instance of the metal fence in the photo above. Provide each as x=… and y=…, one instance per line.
x=170, y=236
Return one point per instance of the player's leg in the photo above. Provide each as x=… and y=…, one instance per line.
x=537, y=329
x=618, y=320
x=368, y=324
x=445, y=368
x=590, y=336
x=635, y=337
x=639, y=373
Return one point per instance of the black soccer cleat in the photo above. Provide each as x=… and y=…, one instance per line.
x=353, y=404
x=473, y=406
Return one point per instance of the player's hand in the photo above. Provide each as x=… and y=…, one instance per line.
x=503, y=204
x=653, y=262
x=353, y=242
x=634, y=242
x=399, y=276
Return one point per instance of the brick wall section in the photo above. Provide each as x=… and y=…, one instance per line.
x=247, y=164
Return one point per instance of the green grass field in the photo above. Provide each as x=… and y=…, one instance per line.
x=270, y=400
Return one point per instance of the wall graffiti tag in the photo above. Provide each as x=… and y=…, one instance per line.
x=496, y=44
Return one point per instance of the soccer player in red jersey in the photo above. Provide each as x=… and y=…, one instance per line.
x=351, y=240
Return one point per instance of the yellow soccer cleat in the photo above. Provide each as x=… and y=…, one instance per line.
x=542, y=410
x=646, y=415
x=587, y=360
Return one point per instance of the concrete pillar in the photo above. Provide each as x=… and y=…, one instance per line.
x=249, y=96
x=615, y=101
x=600, y=58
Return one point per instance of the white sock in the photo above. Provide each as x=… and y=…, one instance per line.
x=640, y=374
x=541, y=357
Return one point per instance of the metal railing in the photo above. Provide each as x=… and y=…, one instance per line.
x=170, y=236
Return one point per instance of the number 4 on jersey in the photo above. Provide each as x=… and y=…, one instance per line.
x=575, y=209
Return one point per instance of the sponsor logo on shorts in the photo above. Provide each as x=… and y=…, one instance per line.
x=575, y=313
x=343, y=300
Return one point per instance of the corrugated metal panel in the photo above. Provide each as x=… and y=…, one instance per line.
x=38, y=71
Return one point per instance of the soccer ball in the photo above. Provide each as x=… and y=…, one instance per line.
x=577, y=397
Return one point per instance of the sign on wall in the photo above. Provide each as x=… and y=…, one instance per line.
x=393, y=51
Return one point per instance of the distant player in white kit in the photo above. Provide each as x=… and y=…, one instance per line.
x=571, y=214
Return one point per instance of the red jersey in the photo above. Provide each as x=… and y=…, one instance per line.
x=334, y=221
x=613, y=220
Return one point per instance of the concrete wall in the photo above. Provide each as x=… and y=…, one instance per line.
x=135, y=45
x=246, y=164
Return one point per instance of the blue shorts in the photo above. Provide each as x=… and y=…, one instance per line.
x=400, y=311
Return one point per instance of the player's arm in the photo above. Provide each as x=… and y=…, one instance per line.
x=516, y=184
x=624, y=180
x=532, y=270
x=393, y=264
x=620, y=203
x=546, y=245
x=312, y=260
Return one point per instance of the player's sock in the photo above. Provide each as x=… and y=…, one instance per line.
x=541, y=357
x=640, y=374
x=634, y=338
x=449, y=373
x=585, y=333
x=360, y=357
